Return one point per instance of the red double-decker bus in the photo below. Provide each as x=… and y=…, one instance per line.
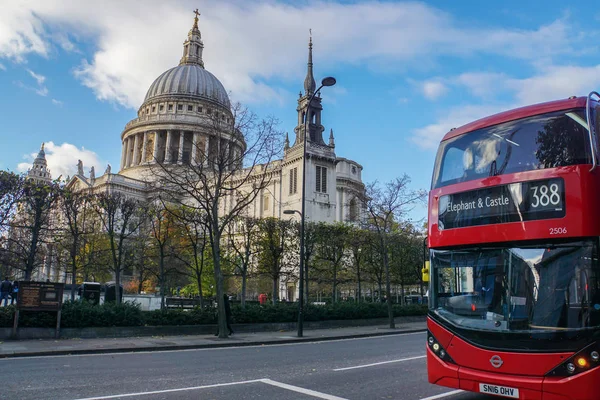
x=514, y=237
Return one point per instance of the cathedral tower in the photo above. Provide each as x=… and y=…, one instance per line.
x=39, y=172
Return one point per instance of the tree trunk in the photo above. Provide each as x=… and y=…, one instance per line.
x=243, y=296
x=140, y=284
x=73, y=268
x=403, y=298
x=334, y=294
x=35, y=237
x=117, y=287
x=161, y=271
x=200, y=294
x=275, y=296
x=358, y=281
x=388, y=285
x=216, y=247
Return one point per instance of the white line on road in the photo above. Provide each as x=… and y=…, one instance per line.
x=159, y=350
x=439, y=396
x=265, y=381
x=116, y=396
x=379, y=363
x=302, y=390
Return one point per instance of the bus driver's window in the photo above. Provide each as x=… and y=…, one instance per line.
x=468, y=164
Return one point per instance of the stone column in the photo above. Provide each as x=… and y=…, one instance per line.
x=128, y=157
x=136, y=153
x=226, y=155
x=155, y=150
x=123, y=153
x=168, y=147
x=194, y=154
x=206, y=149
x=144, y=144
x=180, y=154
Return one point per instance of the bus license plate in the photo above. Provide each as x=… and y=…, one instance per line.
x=499, y=390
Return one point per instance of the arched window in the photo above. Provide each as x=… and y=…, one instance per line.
x=313, y=119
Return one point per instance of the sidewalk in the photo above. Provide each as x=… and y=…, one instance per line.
x=30, y=348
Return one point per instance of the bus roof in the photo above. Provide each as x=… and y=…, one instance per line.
x=518, y=113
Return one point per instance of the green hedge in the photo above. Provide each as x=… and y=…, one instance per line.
x=82, y=314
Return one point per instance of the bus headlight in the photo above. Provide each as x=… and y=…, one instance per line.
x=437, y=349
x=584, y=360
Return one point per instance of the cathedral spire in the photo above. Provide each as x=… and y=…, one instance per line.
x=39, y=170
x=286, y=144
x=331, y=139
x=193, y=46
x=309, y=81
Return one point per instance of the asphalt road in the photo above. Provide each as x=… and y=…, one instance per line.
x=389, y=367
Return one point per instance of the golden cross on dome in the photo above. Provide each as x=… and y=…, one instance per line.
x=196, y=18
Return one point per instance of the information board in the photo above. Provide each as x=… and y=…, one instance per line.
x=40, y=296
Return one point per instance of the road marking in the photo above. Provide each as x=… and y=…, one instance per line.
x=380, y=363
x=116, y=396
x=158, y=350
x=439, y=396
x=302, y=390
x=265, y=381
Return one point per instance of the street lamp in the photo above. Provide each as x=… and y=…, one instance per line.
x=328, y=81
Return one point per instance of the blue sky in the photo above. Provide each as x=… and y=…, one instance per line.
x=74, y=73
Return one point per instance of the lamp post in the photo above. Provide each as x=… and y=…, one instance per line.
x=328, y=81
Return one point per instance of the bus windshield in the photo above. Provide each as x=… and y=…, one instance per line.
x=542, y=141
x=546, y=287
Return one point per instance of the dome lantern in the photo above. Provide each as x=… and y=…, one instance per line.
x=193, y=46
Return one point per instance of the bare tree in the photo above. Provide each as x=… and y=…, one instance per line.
x=11, y=192
x=224, y=181
x=161, y=224
x=310, y=243
x=358, y=242
x=275, y=235
x=73, y=207
x=333, y=243
x=191, y=246
x=386, y=206
x=32, y=225
x=121, y=217
x=243, y=235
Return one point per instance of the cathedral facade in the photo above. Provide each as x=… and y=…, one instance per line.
x=177, y=118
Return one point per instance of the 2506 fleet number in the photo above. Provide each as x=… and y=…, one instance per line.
x=558, y=231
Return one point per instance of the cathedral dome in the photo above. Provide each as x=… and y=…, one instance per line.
x=188, y=80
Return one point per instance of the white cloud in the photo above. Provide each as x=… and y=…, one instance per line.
x=21, y=32
x=2, y=67
x=556, y=82
x=57, y=103
x=549, y=83
x=434, y=89
x=135, y=44
x=40, y=90
x=429, y=136
x=62, y=160
x=39, y=78
x=482, y=84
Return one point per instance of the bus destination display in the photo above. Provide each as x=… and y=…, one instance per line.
x=515, y=202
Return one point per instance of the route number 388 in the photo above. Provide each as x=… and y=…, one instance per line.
x=544, y=195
